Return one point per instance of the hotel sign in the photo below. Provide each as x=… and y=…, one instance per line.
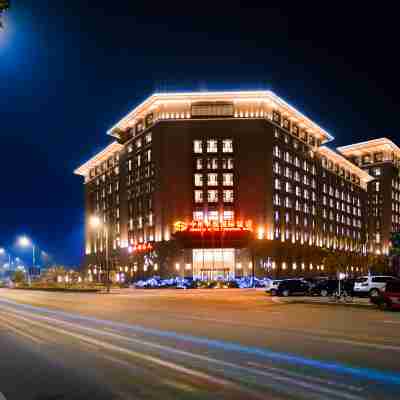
x=215, y=109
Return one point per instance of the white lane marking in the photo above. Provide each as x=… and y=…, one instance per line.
x=310, y=378
x=18, y=331
x=118, y=349
x=272, y=375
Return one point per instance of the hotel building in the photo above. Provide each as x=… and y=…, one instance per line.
x=229, y=184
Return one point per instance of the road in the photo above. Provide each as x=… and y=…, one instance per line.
x=166, y=344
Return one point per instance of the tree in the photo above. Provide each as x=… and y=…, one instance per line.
x=18, y=277
x=4, y=5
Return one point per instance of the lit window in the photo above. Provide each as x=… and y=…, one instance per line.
x=148, y=138
x=277, y=151
x=228, y=196
x=198, y=179
x=197, y=146
x=198, y=215
x=199, y=163
x=139, y=143
x=212, y=146
x=212, y=196
x=198, y=196
x=288, y=187
x=212, y=179
x=213, y=216
x=228, y=215
x=227, y=179
x=377, y=171
x=227, y=163
x=212, y=163
x=227, y=146
x=148, y=155
x=277, y=184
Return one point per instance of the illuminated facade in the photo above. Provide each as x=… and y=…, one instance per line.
x=381, y=159
x=189, y=173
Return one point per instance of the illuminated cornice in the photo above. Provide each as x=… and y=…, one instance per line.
x=344, y=163
x=370, y=146
x=103, y=155
x=265, y=100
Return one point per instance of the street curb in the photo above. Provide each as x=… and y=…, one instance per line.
x=358, y=305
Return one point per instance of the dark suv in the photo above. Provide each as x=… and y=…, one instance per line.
x=290, y=287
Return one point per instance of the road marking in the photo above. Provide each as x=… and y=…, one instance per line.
x=269, y=373
x=19, y=332
x=360, y=372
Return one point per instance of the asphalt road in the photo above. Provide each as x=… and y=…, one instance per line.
x=165, y=344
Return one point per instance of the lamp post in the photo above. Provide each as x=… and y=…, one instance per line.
x=24, y=241
x=96, y=224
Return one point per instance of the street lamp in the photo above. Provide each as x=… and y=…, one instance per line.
x=24, y=241
x=96, y=224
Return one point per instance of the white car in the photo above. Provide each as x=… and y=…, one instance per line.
x=371, y=285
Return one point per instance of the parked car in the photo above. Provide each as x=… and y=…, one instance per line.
x=272, y=287
x=372, y=285
x=325, y=288
x=388, y=297
x=291, y=287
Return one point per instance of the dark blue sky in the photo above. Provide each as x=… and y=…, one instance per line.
x=69, y=71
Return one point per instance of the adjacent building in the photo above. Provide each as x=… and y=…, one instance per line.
x=230, y=184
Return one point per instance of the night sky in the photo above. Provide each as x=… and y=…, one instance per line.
x=69, y=72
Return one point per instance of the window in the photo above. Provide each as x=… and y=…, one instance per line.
x=277, y=184
x=212, y=163
x=227, y=146
x=227, y=163
x=277, y=151
x=229, y=215
x=198, y=180
x=148, y=138
x=212, y=196
x=213, y=216
x=212, y=146
x=228, y=196
x=198, y=196
x=288, y=202
x=288, y=187
x=198, y=215
x=129, y=165
x=277, y=167
x=148, y=155
x=212, y=179
x=197, y=146
x=277, y=200
x=227, y=179
x=199, y=163
x=377, y=171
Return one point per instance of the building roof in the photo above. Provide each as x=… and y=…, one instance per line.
x=374, y=145
x=267, y=97
x=344, y=163
x=98, y=158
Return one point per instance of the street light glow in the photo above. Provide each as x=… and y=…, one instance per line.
x=24, y=241
x=2, y=251
x=95, y=222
